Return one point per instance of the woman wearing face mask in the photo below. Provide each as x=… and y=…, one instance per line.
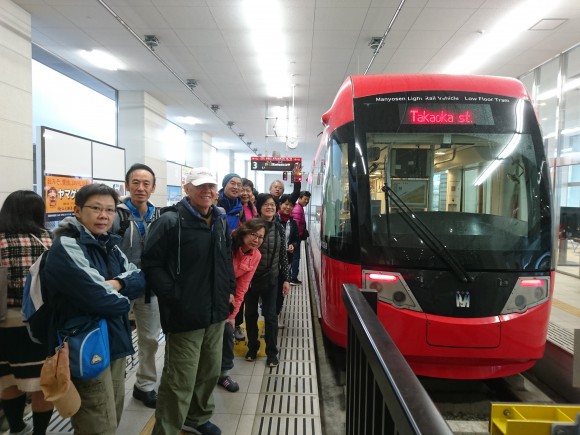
x=274, y=262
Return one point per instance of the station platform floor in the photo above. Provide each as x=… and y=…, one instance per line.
x=278, y=400
x=565, y=313
x=285, y=399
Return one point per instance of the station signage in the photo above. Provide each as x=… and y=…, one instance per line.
x=277, y=164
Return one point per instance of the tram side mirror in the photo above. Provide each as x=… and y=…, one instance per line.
x=374, y=153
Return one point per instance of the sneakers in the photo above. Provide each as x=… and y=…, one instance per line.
x=295, y=281
x=28, y=429
x=272, y=361
x=208, y=428
x=281, y=324
x=149, y=398
x=239, y=334
x=251, y=355
x=228, y=383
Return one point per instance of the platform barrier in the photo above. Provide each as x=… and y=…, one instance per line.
x=383, y=395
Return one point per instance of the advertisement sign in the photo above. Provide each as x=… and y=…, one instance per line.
x=59, y=195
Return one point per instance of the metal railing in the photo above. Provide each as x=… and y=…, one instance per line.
x=383, y=394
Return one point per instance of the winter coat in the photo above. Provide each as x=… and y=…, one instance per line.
x=298, y=216
x=274, y=260
x=126, y=226
x=188, y=265
x=77, y=266
x=244, y=267
x=233, y=208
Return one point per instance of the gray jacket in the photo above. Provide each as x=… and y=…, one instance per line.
x=126, y=225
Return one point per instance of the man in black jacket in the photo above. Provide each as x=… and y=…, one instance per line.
x=188, y=265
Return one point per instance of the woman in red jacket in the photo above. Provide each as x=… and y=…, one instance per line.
x=245, y=254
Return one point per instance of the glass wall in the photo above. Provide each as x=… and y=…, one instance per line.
x=555, y=89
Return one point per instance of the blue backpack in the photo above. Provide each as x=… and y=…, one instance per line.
x=36, y=312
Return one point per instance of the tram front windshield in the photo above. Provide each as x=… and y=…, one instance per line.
x=470, y=168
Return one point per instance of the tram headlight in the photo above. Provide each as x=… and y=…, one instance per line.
x=391, y=288
x=527, y=293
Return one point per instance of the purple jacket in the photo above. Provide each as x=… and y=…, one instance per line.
x=298, y=215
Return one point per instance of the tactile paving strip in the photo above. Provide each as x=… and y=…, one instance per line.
x=561, y=337
x=288, y=402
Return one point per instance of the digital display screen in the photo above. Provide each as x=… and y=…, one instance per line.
x=446, y=114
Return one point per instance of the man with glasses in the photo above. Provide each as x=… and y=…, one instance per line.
x=188, y=264
x=86, y=274
x=134, y=215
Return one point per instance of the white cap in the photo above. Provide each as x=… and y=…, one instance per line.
x=199, y=176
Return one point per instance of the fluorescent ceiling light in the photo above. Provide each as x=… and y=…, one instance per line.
x=552, y=93
x=572, y=84
x=570, y=131
x=102, y=60
x=511, y=25
x=188, y=120
x=264, y=19
x=508, y=149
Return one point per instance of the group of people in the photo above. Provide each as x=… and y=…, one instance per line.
x=187, y=269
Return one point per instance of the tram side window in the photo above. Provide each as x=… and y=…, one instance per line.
x=337, y=220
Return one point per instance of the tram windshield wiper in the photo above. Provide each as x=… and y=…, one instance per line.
x=425, y=234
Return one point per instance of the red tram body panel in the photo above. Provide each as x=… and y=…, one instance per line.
x=433, y=190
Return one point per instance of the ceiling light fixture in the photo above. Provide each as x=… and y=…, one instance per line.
x=102, y=60
x=188, y=120
x=509, y=27
x=151, y=41
x=264, y=21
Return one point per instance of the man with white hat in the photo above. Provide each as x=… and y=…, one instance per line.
x=188, y=264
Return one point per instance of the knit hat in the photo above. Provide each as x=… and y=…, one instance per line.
x=228, y=177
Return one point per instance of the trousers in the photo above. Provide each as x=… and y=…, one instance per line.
x=148, y=329
x=190, y=374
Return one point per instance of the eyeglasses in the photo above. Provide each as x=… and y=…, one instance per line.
x=269, y=204
x=98, y=210
x=257, y=236
x=234, y=184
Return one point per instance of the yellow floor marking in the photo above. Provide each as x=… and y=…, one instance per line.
x=570, y=309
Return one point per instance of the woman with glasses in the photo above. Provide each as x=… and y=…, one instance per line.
x=274, y=262
x=23, y=239
x=249, y=212
x=246, y=241
x=87, y=275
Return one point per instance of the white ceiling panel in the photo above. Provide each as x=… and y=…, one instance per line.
x=325, y=40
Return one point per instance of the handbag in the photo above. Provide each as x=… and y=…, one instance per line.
x=56, y=384
x=88, y=341
x=3, y=291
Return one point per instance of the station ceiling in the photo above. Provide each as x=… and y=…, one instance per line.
x=317, y=43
